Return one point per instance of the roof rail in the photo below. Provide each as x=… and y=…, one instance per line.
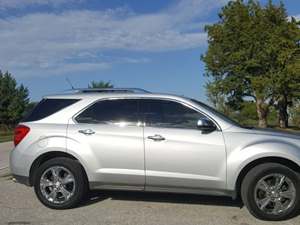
x=108, y=90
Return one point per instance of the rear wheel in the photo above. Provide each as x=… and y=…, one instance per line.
x=60, y=183
x=271, y=191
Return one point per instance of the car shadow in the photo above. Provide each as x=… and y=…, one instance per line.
x=98, y=196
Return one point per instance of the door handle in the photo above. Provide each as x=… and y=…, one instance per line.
x=156, y=137
x=87, y=131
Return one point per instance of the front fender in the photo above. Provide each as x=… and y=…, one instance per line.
x=241, y=157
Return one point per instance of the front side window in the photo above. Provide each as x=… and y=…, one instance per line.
x=119, y=112
x=169, y=114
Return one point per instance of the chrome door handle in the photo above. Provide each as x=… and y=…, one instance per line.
x=87, y=132
x=156, y=137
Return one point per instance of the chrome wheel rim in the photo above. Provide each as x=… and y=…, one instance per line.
x=57, y=184
x=275, y=194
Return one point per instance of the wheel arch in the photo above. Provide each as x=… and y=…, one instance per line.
x=274, y=159
x=47, y=156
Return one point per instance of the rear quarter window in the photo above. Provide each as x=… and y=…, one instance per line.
x=47, y=107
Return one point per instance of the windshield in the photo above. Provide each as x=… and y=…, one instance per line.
x=217, y=113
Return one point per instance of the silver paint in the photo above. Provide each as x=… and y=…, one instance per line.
x=122, y=156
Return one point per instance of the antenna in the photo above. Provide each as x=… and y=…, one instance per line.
x=69, y=82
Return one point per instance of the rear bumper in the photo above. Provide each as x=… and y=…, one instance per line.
x=19, y=162
x=22, y=179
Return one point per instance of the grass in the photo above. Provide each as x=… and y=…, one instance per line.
x=6, y=136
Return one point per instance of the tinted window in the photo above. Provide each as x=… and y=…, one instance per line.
x=169, y=114
x=111, y=111
x=47, y=107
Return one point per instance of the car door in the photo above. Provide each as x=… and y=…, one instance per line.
x=178, y=155
x=109, y=139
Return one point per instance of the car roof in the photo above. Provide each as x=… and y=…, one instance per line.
x=110, y=92
x=111, y=95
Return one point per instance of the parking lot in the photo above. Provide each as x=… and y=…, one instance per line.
x=18, y=205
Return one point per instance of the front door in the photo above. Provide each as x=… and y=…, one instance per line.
x=178, y=155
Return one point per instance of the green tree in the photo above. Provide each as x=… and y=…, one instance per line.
x=295, y=114
x=286, y=82
x=247, y=115
x=252, y=54
x=100, y=84
x=13, y=100
x=218, y=100
x=29, y=108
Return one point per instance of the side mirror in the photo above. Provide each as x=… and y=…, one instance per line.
x=206, y=125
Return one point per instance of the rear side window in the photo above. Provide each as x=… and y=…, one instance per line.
x=120, y=111
x=47, y=107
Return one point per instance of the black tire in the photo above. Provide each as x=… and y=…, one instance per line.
x=80, y=189
x=259, y=172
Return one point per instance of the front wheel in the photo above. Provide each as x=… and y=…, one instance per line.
x=60, y=183
x=271, y=191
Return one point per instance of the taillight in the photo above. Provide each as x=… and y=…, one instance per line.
x=20, y=132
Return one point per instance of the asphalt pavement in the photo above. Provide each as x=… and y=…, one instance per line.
x=5, y=148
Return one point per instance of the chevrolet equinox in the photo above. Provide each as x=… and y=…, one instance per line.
x=131, y=139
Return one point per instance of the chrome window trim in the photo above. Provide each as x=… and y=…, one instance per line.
x=149, y=98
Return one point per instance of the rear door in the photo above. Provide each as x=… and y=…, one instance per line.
x=111, y=137
x=178, y=155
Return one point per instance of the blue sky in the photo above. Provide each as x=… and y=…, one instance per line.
x=151, y=44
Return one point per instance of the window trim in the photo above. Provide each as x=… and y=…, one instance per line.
x=150, y=98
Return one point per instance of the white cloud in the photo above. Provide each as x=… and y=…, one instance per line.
x=16, y=4
x=297, y=17
x=64, y=68
x=49, y=43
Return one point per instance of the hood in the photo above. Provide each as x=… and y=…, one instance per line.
x=273, y=132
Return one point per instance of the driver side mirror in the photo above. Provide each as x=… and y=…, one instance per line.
x=206, y=125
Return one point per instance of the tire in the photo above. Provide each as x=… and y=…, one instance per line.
x=269, y=185
x=64, y=183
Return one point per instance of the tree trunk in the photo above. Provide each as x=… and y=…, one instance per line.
x=262, y=113
x=283, y=117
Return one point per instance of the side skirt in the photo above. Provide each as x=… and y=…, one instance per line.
x=200, y=191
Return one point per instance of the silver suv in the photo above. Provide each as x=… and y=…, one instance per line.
x=131, y=139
